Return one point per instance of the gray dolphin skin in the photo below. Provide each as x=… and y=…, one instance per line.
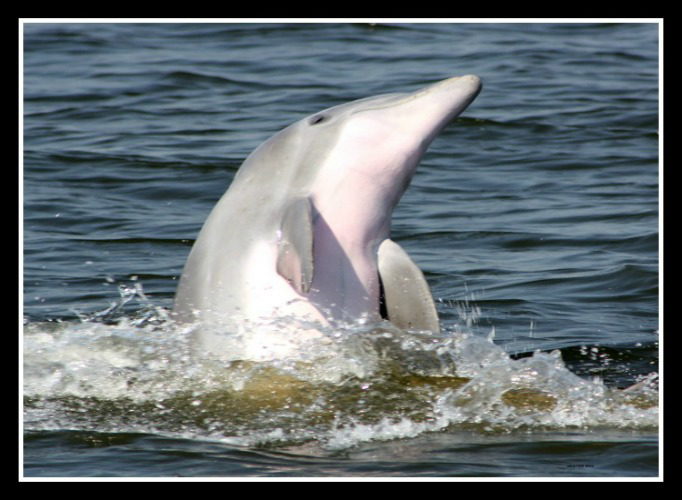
x=304, y=229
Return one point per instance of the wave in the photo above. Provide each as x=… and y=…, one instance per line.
x=114, y=371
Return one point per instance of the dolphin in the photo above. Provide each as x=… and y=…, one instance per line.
x=303, y=230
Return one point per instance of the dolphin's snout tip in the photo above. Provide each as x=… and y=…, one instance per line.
x=473, y=80
x=467, y=83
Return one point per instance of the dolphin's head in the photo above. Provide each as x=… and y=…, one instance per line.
x=420, y=114
x=361, y=155
x=380, y=139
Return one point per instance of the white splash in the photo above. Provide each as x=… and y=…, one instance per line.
x=338, y=387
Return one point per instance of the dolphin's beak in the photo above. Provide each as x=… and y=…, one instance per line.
x=423, y=114
x=438, y=104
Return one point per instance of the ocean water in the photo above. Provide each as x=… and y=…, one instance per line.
x=534, y=216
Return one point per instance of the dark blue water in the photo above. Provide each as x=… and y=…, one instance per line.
x=535, y=217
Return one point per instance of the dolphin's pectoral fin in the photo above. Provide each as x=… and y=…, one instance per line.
x=295, y=246
x=407, y=297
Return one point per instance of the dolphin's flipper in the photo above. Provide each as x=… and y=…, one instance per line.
x=295, y=246
x=407, y=296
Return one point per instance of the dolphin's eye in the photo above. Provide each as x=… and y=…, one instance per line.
x=317, y=119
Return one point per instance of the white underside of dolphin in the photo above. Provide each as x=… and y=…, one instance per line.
x=304, y=229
